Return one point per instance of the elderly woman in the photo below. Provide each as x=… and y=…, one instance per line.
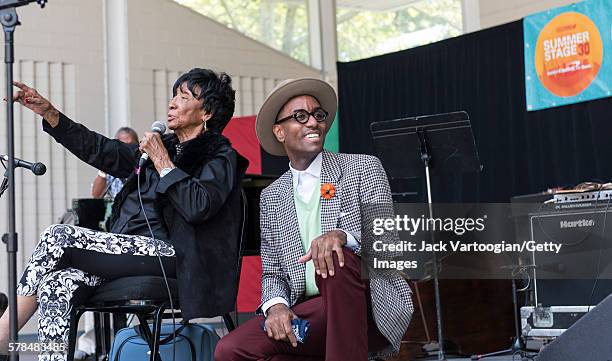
x=189, y=202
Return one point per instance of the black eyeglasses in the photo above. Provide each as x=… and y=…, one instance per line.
x=301, y=116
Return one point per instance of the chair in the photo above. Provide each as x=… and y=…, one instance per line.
x=143, y=296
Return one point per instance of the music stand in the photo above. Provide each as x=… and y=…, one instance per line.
x=443, y=144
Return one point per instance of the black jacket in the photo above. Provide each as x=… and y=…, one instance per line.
x=196, y=207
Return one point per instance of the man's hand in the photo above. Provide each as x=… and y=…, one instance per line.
x=29, y=98
x=321, y=250
x=278, y=323
x=152, y=144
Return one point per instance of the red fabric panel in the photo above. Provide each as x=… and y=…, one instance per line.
x=249, y=290
x=241, y=132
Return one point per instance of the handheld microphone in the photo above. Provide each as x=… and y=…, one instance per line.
x=158, y=127
x=37, y=168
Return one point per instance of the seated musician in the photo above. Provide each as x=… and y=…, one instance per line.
x=311, y=243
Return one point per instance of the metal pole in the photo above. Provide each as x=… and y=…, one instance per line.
x=441, y=355
x=9, y=20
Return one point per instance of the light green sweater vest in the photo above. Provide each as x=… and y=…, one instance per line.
x=309, y=219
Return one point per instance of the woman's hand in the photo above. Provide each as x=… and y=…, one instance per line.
x=29, y=98
x=152, y=144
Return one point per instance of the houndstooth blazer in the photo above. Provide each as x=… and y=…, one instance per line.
x=359, y=180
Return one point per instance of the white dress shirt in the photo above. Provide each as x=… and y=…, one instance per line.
x=304, y=182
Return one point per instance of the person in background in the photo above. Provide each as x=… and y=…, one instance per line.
x=106, y=183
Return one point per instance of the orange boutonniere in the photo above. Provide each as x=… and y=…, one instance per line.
x=328, y=191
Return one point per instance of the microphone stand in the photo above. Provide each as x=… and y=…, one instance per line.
x=9, y=20
x=426, y=158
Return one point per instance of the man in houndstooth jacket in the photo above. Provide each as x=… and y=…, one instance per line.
x=311, y=227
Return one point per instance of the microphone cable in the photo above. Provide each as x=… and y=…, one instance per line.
x=161, y=265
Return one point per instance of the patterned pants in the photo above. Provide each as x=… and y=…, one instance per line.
x=69, y=261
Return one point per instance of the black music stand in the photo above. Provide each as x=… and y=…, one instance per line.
x=443, y=144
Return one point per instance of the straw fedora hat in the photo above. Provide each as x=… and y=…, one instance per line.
x=281, y=94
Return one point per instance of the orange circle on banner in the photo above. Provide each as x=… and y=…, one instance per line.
x=568, y=54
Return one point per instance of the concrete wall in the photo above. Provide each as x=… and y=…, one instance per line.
x=497, y=12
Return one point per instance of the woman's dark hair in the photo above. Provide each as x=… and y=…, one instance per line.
x=216, y=92
x=129, y=131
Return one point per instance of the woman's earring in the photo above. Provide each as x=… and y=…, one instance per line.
x=205, y=128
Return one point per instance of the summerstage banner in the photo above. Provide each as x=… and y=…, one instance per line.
x=568, y=54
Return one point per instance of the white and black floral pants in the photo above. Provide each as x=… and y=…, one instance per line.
x=69, y=261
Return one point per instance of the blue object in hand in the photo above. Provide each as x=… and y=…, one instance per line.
x=300, y=329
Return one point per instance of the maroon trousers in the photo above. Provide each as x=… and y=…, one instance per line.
x=341, y=324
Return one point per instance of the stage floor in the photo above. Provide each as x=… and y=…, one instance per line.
x=32, y=338
x=498, y=358
x=495, y=358
x=29, y=357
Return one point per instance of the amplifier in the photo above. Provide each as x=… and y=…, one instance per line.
x=581, y=273
x=584, y=199
x=549, y=322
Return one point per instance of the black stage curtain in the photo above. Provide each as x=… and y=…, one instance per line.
x=273, y=165
x=482, y=73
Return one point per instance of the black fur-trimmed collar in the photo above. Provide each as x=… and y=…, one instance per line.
x=194, y=151
x=193, y=154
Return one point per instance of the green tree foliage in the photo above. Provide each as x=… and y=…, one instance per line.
x=363, y=34
x=280, y=24
x=283, y=25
